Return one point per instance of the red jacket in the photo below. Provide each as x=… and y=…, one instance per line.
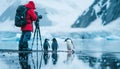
x=31, y=16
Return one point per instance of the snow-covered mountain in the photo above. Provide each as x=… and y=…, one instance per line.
x=58, y=12
x=8, y=12
x=60, y=15
x=106, y=10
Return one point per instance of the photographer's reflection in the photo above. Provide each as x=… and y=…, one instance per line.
x=45, y=57
x=23, y=60
x=54, y=57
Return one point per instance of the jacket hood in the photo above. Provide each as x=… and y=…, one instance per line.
x=30, y=5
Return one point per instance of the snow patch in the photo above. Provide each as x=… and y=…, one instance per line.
x=8, y=25
x=96, y=25
x=98, y=38
x=108, y=3
x=97, y=8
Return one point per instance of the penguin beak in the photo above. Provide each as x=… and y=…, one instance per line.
x=65, y=40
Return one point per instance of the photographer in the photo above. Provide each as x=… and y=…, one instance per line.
x=28, y=28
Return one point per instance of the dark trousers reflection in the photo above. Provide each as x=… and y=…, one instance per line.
x=45, y=57
x=54, y=57
x=23, y=60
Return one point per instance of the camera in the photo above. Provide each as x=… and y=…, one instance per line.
x=37, y=21
x=39, y=16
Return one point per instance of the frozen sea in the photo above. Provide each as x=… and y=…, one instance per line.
x=89, y=54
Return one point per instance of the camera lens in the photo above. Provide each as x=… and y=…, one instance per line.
x=40, y=16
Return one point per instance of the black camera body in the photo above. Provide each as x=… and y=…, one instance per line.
x=37, y=21
x=39, y=16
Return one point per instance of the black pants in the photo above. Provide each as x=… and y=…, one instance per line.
x=25, y=37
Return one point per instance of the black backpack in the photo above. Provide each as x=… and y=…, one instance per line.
x=20, y=17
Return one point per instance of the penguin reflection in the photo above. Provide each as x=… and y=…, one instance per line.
x=70, y=57
x=54, y=57
x=45, y=57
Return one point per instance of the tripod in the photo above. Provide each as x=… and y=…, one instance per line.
x=37, y=34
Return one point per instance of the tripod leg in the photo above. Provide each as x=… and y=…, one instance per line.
x=37, y=39
x=37, y=47
x=33, y=38
x=40, y=38
x=41, y=49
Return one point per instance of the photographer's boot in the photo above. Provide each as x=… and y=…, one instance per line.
x=26, y=48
